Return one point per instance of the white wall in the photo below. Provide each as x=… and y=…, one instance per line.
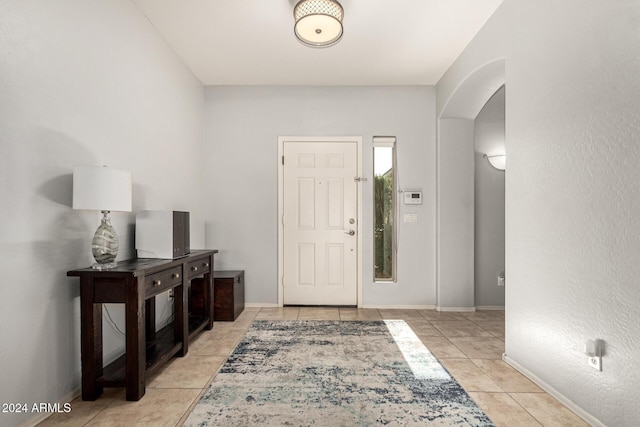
x=243, y=124
x=455, y=215
x=81, y=83
x=572, y=194
x=488, y=138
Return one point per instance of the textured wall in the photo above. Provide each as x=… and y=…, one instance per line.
x=80, y=83
x=572, y=193
x=243, y=124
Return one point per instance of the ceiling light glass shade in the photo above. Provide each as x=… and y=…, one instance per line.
x=498, y=161
x=318, y=22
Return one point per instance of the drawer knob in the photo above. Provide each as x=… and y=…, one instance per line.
x=194, y=268
x=176, y=275
x=206, y=264
x=157, y=282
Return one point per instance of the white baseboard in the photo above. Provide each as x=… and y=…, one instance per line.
x=37, y=419
x=590, y=419
x=400, y=307
x=394, y=307
x=460, y=309
x=382, y=307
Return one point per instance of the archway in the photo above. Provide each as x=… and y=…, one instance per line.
x=455, y=182
x=489, y=207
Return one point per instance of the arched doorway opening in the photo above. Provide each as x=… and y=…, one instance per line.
x=489, y=207
x=455, y=187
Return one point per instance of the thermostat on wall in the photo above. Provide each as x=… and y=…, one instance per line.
x=412, y=197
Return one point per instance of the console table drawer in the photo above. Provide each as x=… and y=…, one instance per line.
x=159, y=282
x=198, y=267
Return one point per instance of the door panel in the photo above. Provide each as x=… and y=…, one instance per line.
x=307, y=264
x=320, y=200
x=306, y=203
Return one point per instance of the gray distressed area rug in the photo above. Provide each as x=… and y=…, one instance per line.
x=334, y=373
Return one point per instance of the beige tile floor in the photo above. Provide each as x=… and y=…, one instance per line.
x=469, y=345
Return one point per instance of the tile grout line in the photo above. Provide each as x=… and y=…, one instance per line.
x=195, y=401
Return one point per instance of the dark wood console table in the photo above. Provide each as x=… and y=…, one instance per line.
x=135, y=283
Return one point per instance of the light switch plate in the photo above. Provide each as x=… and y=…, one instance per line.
x=410, y=217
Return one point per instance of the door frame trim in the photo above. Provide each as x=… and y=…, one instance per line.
x=303, y=139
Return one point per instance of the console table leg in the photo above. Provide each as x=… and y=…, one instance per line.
x=91, y=342
x=181, y=317
x=150, y=319
x=209, y=303
x=136, y=344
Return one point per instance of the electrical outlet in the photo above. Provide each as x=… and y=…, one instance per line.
x=595, y=362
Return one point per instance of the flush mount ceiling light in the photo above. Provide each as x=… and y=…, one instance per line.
x=498, y=161
x=318, y=22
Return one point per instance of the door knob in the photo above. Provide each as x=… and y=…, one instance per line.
x=350, y=232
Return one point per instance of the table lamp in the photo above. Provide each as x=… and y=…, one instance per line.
x=103, y=189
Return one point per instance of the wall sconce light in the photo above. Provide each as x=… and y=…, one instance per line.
x=102, y=189
x=318, y=22
x=498, y=161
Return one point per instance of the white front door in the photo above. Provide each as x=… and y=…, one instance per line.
x=320, y=223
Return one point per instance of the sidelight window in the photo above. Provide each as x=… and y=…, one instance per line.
x=384, y=208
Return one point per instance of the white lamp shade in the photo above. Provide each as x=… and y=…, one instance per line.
x=101, y=188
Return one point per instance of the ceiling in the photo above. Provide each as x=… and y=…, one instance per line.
x=385, y=42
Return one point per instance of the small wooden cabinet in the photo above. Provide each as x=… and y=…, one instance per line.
x=228, y=294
